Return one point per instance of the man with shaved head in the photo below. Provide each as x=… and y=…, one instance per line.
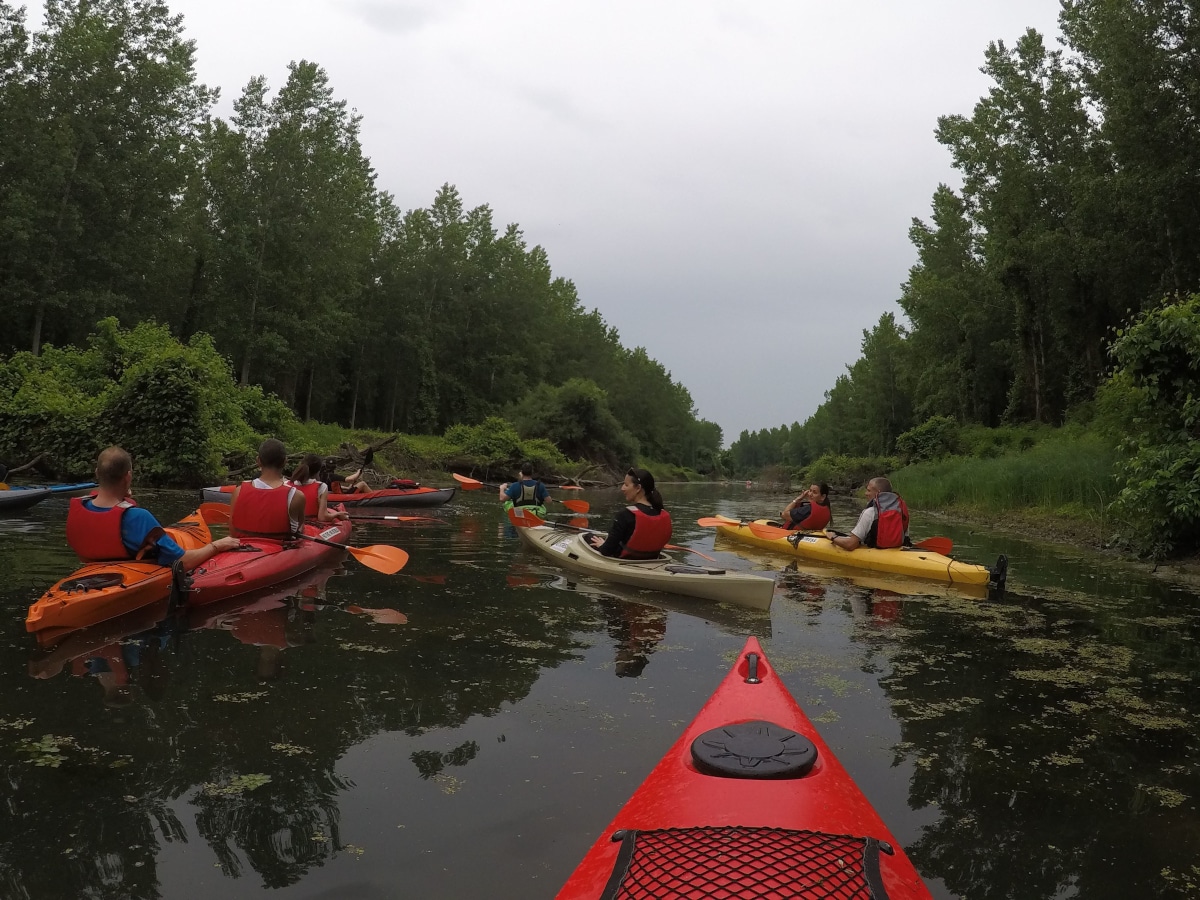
x=109, y=525
x=883, y=524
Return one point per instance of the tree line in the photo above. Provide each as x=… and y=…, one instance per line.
x=1078, y=216
x=121, y=194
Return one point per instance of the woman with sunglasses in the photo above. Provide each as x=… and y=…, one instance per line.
x=643, y=528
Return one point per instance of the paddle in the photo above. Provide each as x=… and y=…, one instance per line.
x=529, y=520
x=471, y=484
x=380, y=557
x=941, y=545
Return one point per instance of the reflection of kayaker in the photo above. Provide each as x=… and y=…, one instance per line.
x=637, y=631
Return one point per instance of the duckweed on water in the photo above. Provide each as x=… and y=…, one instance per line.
x=244, y=697
x=236, y=786
x=290, y=749
x=364, y=648
x=1167, y=797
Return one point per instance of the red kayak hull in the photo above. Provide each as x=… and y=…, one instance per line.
x=263, y=563
x=728, y=812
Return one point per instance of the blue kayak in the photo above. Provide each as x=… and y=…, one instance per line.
x=16, y=498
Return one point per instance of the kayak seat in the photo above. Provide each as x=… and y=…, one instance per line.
x=745, y=862
x=694, y=570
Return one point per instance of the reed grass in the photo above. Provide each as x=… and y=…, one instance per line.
x=1072, y=473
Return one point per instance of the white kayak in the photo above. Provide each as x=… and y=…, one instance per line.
x=571, y=551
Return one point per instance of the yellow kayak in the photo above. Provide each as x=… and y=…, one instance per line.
x=813, y=545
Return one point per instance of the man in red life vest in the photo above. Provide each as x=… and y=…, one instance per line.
x=268, y=506
x=109, y=525
x=883, y=524
x=809, y=511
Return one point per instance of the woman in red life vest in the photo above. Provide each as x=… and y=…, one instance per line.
x=109, y=525
x=268, y=506
x=810, y=511
x=883, y=524
x=305, y=480
x=643, y=528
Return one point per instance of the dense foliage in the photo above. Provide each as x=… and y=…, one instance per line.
x=1079, y=210
x=121, y=194
x=175, y=407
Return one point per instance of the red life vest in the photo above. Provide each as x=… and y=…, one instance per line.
x=818, y=517
x=891, y=522
x=95, y=535
x=262, y=513
x=312, y=496
x=650, y=534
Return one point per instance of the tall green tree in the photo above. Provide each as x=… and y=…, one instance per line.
x=295, y=210
x=101, y=110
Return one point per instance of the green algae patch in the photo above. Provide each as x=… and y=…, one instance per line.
x=236, y=786
x=1043, y=646
x=1165, y=796
x=1065, y=677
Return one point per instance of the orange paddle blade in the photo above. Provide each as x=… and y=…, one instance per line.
x=382, y=616
x=469, y=484
x=941, y=545
x=215, y=513
x=523, y=518
x=714, y=521
x=381, y=558
x=579, y=506
x=769, y=532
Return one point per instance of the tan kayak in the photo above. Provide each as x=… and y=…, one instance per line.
x=571, y=551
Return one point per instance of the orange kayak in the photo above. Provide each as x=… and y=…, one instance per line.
x=100, y=591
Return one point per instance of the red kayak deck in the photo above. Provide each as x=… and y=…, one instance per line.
x=264, y=562
x=749, y=802
x=100, y=591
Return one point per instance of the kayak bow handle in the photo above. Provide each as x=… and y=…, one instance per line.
x=752, y=670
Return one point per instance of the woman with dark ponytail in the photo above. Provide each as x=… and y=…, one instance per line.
x=305, y=480
x=643, y=528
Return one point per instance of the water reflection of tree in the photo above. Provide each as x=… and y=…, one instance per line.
x=1041, y=739
x=218, y=720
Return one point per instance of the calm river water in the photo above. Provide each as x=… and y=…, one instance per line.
x=1043, y=746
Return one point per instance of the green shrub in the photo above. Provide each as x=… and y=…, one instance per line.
x=934, y=438
x=174, y=406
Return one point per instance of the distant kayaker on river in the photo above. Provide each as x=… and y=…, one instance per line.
x=109, y=525
x=346, y=484
x=809, y=511
x=883, y=524
x=525, y=491
x=268, y=506
x=315, y=491
x=642, y=529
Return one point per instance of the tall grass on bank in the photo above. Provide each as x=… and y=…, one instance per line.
x=1071, y=474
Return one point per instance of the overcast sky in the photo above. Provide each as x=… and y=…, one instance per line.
x=729, y=183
